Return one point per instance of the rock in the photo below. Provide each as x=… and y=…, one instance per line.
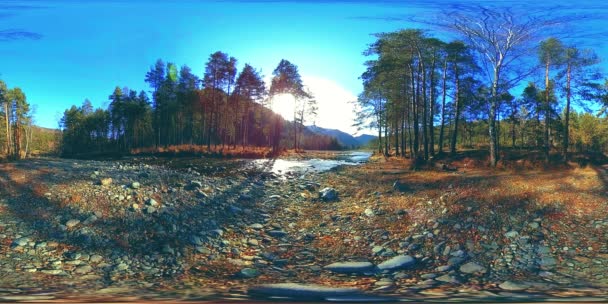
x=71, y=223
x=398, y=262
x=95, y=258
x=377, y=250
x=277, y=233
x=444, y=268
x=150, y=210
x=351, y=267
x=151, y=202
x=328, y=194
x=134, y=206
x=167, y=249
x=22, y=241
x=196, y=184
x=472, y=267
x=253, y=242
x=369, y=212
x=53, y=271
x=135, y=185
x=90, y=220
x=84, y=269
x=302, y=291
x=399, y=186
x=446, y=278
x=513, y=286
x=105, y=181
x=249, y=273
x=547, y=262
x=512, y=234
x=455, y=261
x=256, y=226
x=217, y=232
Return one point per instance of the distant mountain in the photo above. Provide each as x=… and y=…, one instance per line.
x=345, y=139
x=364, y=139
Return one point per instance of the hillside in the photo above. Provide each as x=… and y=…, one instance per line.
x=343, y=138
x=365, y=139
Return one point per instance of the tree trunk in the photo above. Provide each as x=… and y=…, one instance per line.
x=567, y=120
x=444, y=94
x=432, y=110
x=457, y=112
x=546, y=108
x=492, y=120
x=415, y=86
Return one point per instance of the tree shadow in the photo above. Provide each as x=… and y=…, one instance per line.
x=134, y=234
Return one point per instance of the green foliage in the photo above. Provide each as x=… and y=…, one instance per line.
x=227, y=110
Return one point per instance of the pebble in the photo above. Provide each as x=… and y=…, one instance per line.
x=71, y=223
x=472, y=267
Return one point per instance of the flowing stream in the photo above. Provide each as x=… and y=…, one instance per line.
x=314, y=165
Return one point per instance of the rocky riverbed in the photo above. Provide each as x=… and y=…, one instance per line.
x=144, y=228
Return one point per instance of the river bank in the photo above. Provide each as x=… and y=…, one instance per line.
x=193, y=230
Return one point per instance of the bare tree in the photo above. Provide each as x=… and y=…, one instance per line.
x=502, y=38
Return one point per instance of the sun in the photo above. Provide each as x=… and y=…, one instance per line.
x=283, y=104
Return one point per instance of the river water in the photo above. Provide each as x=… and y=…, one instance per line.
x=314, y=165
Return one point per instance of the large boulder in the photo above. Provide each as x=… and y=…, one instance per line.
x=351, y=267
x=398, y=262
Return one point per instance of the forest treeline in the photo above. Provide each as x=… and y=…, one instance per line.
x=224, y=109
x=427, y=97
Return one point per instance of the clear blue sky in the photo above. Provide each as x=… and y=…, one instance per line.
x=86, y=48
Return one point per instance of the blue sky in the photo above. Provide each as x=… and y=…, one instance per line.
x=86, y=48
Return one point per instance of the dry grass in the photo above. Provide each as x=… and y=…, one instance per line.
x=488, y=197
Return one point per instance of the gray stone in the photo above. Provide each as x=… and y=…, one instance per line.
x=256, y=226
x=513, y=286
x=376, y=250
x=446, y=278
x=302, y=291
x=150, y=210
x=249, y=273
x=71, y=223
x=369, y=212
x=512, y=234
x=398, y=262
x=22, y=241
x=90, y=220
x=53, y=271
x=444, y=268
x=84, y=269
x=351, y=267
x=151, y=202
x=196, y=184
x=328, y=194
x=472, y=267
x=167, y=249
x=547, y=262
x=277, y=233
x=455, y=261
x=95, y=258
x=135, y=185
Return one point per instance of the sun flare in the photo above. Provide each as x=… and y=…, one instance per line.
x=284, y=104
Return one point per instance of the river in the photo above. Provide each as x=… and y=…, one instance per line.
x=314, y=165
